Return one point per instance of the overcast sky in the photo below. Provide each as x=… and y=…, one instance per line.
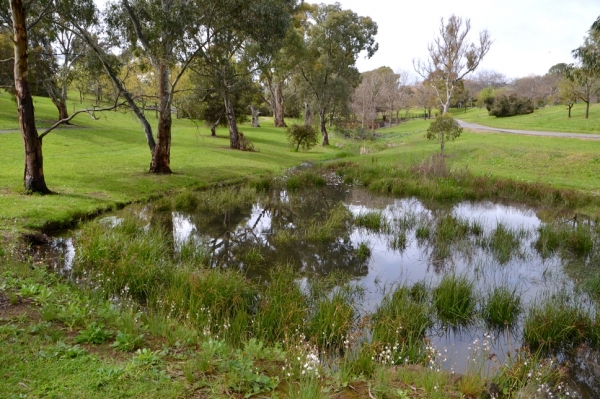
x=529, y=35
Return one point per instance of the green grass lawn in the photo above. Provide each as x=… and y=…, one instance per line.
x=98, y=164
x=552, y=119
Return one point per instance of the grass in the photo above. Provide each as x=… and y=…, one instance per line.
x=550, y=119
x=454, y=299
x=556, y=321
x=502, y=306
x=100, y=165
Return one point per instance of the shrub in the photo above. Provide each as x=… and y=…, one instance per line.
x=302, y=136
x=444, y=128
x=511, y=105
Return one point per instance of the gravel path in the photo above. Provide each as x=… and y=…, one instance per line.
x=475, y=126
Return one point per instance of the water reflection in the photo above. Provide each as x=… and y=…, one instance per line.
x=273, y=230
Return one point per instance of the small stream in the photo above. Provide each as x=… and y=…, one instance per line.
x=251, y=240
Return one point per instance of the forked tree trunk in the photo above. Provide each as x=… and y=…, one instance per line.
x=213, y=128
x=33, y=178
x=59, y=102
x=255, y=113
x=322, y=122
x=161, y=156
x=307, y=115
x=234, y=134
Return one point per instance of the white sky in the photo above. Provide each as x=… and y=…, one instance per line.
x=529, y=36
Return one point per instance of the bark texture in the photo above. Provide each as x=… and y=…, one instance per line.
x=234, y=134
x=33, y=179
x=322, y=122
x=161, y=156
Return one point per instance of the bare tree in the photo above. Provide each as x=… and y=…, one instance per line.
x=451, y=58
x=365, y=98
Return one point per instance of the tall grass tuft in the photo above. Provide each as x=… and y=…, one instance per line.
x=556, y=321
x=283, y=308
x=330, y=227
x=303, y=180
x=125, y=259
x=503, y=241
x=502, y=306
x=333, y=315
x=548, y=240
x=399, y=325
x=449, y=228
x=454, y=299
x=370, y=220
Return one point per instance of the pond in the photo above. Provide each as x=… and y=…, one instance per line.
x=389, y=242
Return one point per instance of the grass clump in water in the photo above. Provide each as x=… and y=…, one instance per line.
x=363, y=252
x=503, y=241
x=556, y=322
x=502, y=306
x=399, y=325
x=304, y=179
x=449, y=228
x=329, y=228
x=370, y=220
x=454, y=299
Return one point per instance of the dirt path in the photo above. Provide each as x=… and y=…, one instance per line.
x=475, y=126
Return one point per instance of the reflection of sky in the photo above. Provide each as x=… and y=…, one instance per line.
x=387, y=267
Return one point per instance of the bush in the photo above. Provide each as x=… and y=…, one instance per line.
x=302, y=136
x=511, y=105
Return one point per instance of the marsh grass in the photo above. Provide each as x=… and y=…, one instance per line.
x=333, y=314
x=502, y=306
x=283, y=308
x=399, y=325
x=504, y=242
x=373, y=221
x=330, y=227
x=363, y=252
x=449, y=228
x=576, y=240
x=304, y=179
x=455, y=299
x=556, y=321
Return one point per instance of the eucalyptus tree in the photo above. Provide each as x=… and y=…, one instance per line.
x=334, y=38
x=451, y=58
x=587, y=72
x=243, y=39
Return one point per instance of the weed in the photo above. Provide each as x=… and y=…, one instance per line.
x=454, y=299
x=147, y=358
x=449, y=228
x=94, y=334
x=503, y=242
x=423, y=232
x=127, y=342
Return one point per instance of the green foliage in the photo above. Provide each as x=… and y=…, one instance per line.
x=443, y=128
x=94, y=334
x=302, y=136
x=374, y=221
x=511, y=105
x=127, y=342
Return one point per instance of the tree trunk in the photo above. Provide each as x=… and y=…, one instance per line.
x=234, y=134
x=213, y=128
x=277, y=104
x=322, y=122
x=161, y=156
x=255, y=114
x=119, y=85
x=307, y=114
x=59, y=101
x=587, y=108
x=33, y=178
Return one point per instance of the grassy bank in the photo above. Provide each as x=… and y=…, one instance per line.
x=97, y=165
x=550, y=119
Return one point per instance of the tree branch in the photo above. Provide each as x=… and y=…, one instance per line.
x=89, y=111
